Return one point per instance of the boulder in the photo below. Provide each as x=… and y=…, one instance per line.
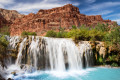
x=100, y=47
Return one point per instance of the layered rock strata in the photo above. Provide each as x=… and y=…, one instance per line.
x=53, y=19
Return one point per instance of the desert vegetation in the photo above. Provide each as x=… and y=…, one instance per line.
x=25, y=33
x=101, y=32
x=5, y=30
x=3, y=44
x=3, y=47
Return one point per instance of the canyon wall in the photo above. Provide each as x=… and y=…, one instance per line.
x=2, y=21
x=8, y=16
x=51, y=19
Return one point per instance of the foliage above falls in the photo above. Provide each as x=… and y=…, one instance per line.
x=3, y=44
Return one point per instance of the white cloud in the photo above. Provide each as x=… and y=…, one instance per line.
x=45, y=4
x=117, y=20
x=5, y=2
x=1, y=6
x=31, y=6
x=113, y=15
x=102, y=12
x=101, y=6
x=76, y=4
x=90, y=1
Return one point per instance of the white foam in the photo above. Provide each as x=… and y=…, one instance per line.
x=61, y=74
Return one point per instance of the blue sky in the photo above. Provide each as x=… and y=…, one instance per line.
x=109, y=9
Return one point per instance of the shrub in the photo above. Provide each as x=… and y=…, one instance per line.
x=3, y=41
x=24, y=33
x=102, y=27
x=74, y=27
x=51, y=34
x=3, y=44
x=83, y=35
x=61, y=34
x=113, y=58
x=114, y=64
x=83, y=27
x=61, y=29
x=108, y=39
x=113, y=37
x=115, y=24
x=71, y=33
x=100, y=60
x=96, y=35
x=4, y=30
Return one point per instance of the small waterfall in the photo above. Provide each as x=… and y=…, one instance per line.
x=34, y=50
x=1, y=69
x=13, y=42
x=53, y=53
x=64, y=53
x=19, y=57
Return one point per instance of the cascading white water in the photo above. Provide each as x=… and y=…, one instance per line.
x=19, y=57
x=34, y=50
x=1, y=69
x=86, y=51
x=62, y=51
x=54, y=53
x=13, y=41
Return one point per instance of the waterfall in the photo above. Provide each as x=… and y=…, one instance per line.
x=34, y=50
x=64, y=52
x=19, y=57
x=13, y=41
x=53, y=53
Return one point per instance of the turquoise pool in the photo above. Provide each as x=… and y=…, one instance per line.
x=85, y=74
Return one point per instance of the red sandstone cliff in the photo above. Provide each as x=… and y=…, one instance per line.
x=8, y=16
x=2, y=21
x=52, y=19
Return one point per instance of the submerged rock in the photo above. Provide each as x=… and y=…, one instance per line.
x=14, y=73
x=10, y=79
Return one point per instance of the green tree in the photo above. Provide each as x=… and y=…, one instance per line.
x=113, y=37
x=51, y=33
x=74, y=27
x=3, y=44
x=102, y=27
x=25, y=33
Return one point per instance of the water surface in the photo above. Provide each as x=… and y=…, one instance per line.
x=85, y=74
